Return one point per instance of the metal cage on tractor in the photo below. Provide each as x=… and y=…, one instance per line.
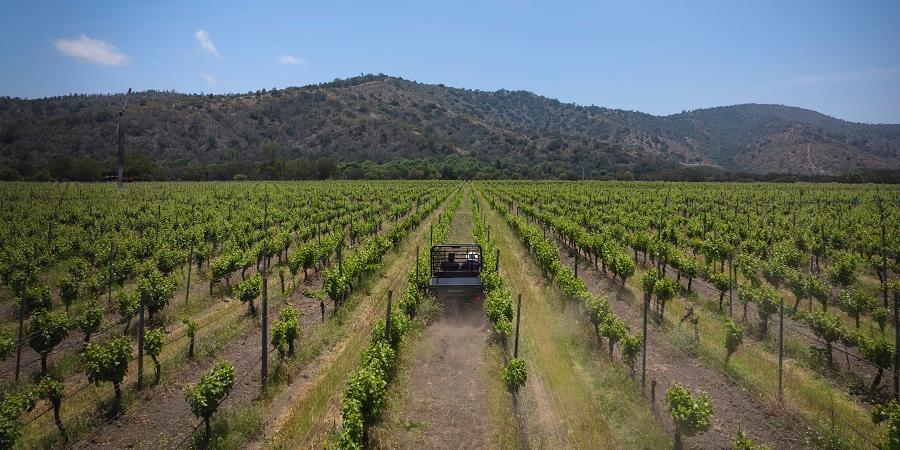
x=456, y=269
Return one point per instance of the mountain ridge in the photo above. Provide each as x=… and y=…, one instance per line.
x=367, y=122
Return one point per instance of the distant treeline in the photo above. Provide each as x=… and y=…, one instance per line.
x=140, y=167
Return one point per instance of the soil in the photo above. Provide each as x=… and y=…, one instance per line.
x=445, y=402
x=734, y=407
x=396, y=264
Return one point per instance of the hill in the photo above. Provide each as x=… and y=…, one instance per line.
x=380, y=126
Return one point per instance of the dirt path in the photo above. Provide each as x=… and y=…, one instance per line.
x=304, y=414
x=444, y=404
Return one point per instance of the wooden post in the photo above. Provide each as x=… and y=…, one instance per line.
x=518, y=318
x=644, y=344
x=120, y=140
x=322, y=307
x=264, y=341
x=417, y=267
x=387, y=320
x=187, y=291
x=498, y=260
x=112, y=252
x=140, y=358
x=731, y=276
x=21, y=331
x=896, y=347
x=576, y=263
x=781, y=350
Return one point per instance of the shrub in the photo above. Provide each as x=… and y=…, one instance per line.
x=108, y=362
x=45, y=331
x=205, y=397
x=890, y=413
x=734, y=336
x=515, y=373
x=153, y=344
x=690, y=414
x=249, y=290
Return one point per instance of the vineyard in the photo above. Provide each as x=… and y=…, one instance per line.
x=299, y=315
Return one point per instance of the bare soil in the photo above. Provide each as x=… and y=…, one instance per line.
x=444, y=403
x=734, y=407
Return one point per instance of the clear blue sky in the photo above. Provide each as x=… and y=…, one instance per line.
x=840, y=58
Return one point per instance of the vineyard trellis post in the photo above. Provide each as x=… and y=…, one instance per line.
x=417, y=265
x=497, y=267
x=109, y=269
x=140, y=358
x=781, y=350
x=518, y=318
x=264, y=347
x=576, y=263
x=120, y=141
x=187, y=290
x=731, y=281
x=644, y=343
x=896, y=347
x=387, y=319
x=21, y=331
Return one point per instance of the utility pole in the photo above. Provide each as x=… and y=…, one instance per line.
x=120, y=140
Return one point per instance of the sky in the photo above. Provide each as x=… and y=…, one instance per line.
x=841, y=58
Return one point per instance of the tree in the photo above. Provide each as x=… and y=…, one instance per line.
x=734, y=336
x=191, y=332
x=108, y=362
x=827, y=327
x=91, y=319
x=248, y=290
x=45, y=331
x=690, y=414
x=205, y=398
x=879, y=351
x=153, y=344
x=52, y=391
x=156, y=290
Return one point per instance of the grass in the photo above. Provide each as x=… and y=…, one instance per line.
x=593, y=398
x=306, y=422
x=755, y=368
